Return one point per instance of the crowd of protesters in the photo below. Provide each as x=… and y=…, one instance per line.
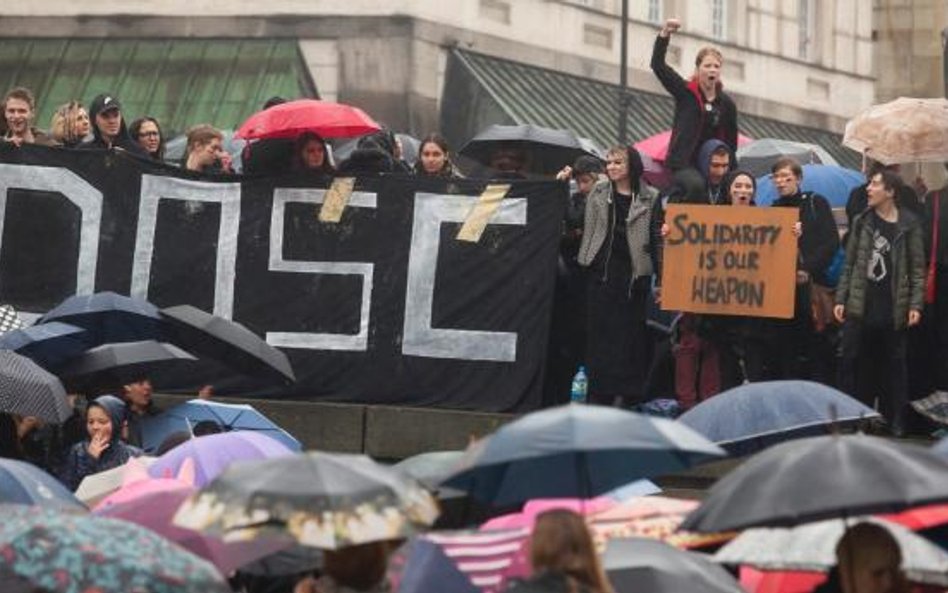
x=875, y=287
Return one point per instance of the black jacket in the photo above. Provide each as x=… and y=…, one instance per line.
x=689, y=112
x=820, y=239
x=123, y=140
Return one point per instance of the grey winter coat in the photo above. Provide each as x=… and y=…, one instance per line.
x=908, y=262
x=598, y=227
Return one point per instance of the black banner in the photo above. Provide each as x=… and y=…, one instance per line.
x=386, y=306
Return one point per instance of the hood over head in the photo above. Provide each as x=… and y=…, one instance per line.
x=703, y=160
x=116, y=410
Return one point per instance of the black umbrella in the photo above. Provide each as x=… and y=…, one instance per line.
x=109, y=317
x=116, y=364
x=47, y=344
x=29, y=390
x=822, y=478
x=639, y=565
x=547, y=150
x=225, y=341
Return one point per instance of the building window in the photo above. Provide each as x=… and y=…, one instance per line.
x=806, y=24
x=598, y=36
x=496, y=10
x=718, y=14
x=655, y=11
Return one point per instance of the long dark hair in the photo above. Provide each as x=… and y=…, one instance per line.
x=301, y=142
x=447, y=169
x=636, y=167
x=561, y=543
x=136, y=127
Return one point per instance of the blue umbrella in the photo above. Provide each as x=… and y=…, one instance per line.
x=227, y=417
x=754, y=416
x=48, y=344
x=576, y=451
x=421, y=566
x=109, y=317
x=24, y=483
x=832, y=182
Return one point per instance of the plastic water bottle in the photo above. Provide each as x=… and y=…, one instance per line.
x=580, y=386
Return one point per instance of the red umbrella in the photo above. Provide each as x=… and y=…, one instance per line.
x=289, y=120
x=657, y=146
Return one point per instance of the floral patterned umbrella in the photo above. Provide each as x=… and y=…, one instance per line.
x=327, y=501
x=69, y=553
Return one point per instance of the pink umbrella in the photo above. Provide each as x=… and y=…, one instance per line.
x=657, y=146
x=152, y=504
x=527, y=517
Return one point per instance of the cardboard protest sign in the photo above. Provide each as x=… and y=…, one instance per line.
x=730, y=260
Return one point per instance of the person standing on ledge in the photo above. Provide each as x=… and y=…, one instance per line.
x=703, y=111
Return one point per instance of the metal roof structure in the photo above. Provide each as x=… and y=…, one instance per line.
x=180, y=82
x=495, y=90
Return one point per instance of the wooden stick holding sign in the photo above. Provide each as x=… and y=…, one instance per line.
x=730, y=260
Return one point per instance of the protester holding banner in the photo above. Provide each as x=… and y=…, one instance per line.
x=205, y=152
x=880, y=295
x=434, y=158
x=147, y=132
x=19, y=107
x=702, y=110
x=311, y=155
x=108, y=126
x=70, y=124
x=616, y=246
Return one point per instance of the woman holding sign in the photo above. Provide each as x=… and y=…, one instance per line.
x=880, y=295
x=616, y=246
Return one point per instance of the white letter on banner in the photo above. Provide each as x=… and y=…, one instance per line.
x=87, y=198
x=154, y=189
x=309, y=340
x=419, y=338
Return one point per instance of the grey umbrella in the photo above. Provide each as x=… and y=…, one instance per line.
x=639, y=565
x=116, y=364
x=227, y=342
x=548, y=150
x=29, y=390
x=758, y=157
x=48, y=344
x=822, y=478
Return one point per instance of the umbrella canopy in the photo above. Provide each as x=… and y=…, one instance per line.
x=487, y=558
x=548, y=150
x=323, y=500
x=935, y=408
x=95, y=487
x=29, y=390
x=754, y=416
x=290, y=119
x=430, y=468
x=229, y=417
x=901, y=131
x=24, y=483
x=421, y=566
x=47, y=344
x=153, y=503
x=121, y=363
x=213, y=453
x=812, y=547
x=227, y=342
x=657, y=146
x=757, y=157
x=72, y=553
x=109, y=317
x=639, y=565
x=822, y=478
x=576, y=450
x=833, y=183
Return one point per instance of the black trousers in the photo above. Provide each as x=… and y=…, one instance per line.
x=873, y=366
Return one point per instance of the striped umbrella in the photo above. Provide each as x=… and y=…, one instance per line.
x=29, y=390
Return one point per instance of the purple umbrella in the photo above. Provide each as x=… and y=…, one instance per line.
x=214, y=452
x=154, y=511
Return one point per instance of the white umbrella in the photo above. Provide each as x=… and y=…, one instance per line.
x=96, y=487
x=812, y=547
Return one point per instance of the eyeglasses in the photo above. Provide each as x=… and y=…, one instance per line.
x=148, y=134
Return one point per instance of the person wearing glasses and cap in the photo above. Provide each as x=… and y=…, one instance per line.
x=108, y=126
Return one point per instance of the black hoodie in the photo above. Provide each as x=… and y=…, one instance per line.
x=123, y=140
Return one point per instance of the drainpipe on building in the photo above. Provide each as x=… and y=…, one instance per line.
x=624, y=74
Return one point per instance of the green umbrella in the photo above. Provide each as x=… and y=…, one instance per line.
x=75, y=553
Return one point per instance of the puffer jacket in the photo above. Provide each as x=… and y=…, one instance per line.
x=599, y=223
x=908, y=267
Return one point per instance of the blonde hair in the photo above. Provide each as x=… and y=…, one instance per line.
x=561, y=543
x=63, y=125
